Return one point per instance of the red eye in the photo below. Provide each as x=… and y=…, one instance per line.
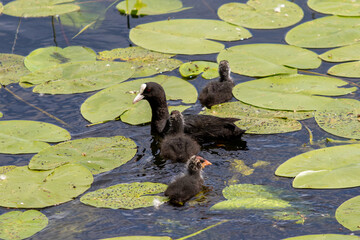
x=147, y=90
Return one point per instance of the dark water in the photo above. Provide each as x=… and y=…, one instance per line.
x=74, y=220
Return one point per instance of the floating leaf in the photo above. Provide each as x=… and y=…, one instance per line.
x=324, y=237
x=25, y=188
x=5, y=169
x=259, y=60
x=291, y=92
x=332, y=167
x=192, y=69
x=11, y=68
x=342, y=54
x=325, y=32
x=169, y=36
x=39, y=8
x=340, y=118
x=240, y=167
x=146, y=62
x=1, y=7
x=21, y=136
x=150, y=7
x=21, y=225
x=126, y=195
x=336, y=7
x=79, y=77
x=264, y=14
x=350, y=69
x=348, y=214
x=115, y=101
x=139, y=238
x=99, y=154
x=42, y=58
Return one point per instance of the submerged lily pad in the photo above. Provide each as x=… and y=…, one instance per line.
x=52, y=56
x=350, y=69
x=336, y=7
x=11, y=68
x=348, y=214
x=21, y=136
x=169, y=36
x=192, y=69
x=99, y=154
x=116, y=101
x=342, y=54
x=25, y=188
x=325, y=32
x=291, y=92
x=78, y=77
x=258, y=60
x=146, y=62
x=150, y=7
x=264, y=14
x=126, y=195
x=39, y=8
x=324, y=237
x=332, y=167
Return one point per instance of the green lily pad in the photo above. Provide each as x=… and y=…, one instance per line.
x=78, y=77
x=21, y=225
x=126, y=195
x=21, y=136
x=1, y=8
x=11, y=68
x=336, y=7
x=264, y=14
x=348, y=214
x=350, y=69
x=169, y=36
x=42, y=58
x=324, y=237
x=146, y=62
x=332, y=167
x=150, y=7
x=139, y=238
x=342, y=54
x=5, y=169
x=291, y=92
x=115, y=101
x=258, y=60
x=340, y=118
x=25, y=188
x=192, y=69
x=39, y=8
x=325, y=32
x=99, y=154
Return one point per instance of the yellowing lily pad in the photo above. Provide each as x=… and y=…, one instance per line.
x=342, y=54
x=324, y=237
x=21, y=225
x=192, y=69
x=21, y=136
x=97, y=154
x=169, y=36
x=11, y=68
x=126, y=195
x=39, y=8
x=25, y=188
x=348, y=214
x=350, y=69
x=264, y=14
x=258, y=60
x=336, y=7
x=149, y=7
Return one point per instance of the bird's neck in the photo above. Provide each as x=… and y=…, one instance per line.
x=176, y=127
x=160, y=115
x=196, y=174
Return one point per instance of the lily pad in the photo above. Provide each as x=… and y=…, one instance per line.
x=332, y=167
x=5, y=169
x=342, y=54
x=350, y=69
x=340, y=118
x=336, y=7
x=126, y=195
x=139, y=238
x=25, y=188
x=324, y=237
x=169, y=36
x=264, y=14
x=11, y=68
x=325, y=32
x=21, y=225
x=192, y=69
x=291, y=92
x=42, y=58
x=116, y=101
x=146, y=62
x=99, y=154
x=348, y=214
x=78, y=77
x=39, y=8
x=1, y=8
x=21, y=136
x=150, y=7
x=258, y=60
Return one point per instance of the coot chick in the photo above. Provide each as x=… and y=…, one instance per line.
x=202, y=128
x=216, y=92
x=190, y=184
x=177, y=146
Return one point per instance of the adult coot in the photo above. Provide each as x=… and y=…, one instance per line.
x=216, y=92
x=188, y=185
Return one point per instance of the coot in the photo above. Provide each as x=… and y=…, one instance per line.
x=188, y=185
x=216, y=92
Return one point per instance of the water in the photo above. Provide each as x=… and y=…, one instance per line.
x=74, y=220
